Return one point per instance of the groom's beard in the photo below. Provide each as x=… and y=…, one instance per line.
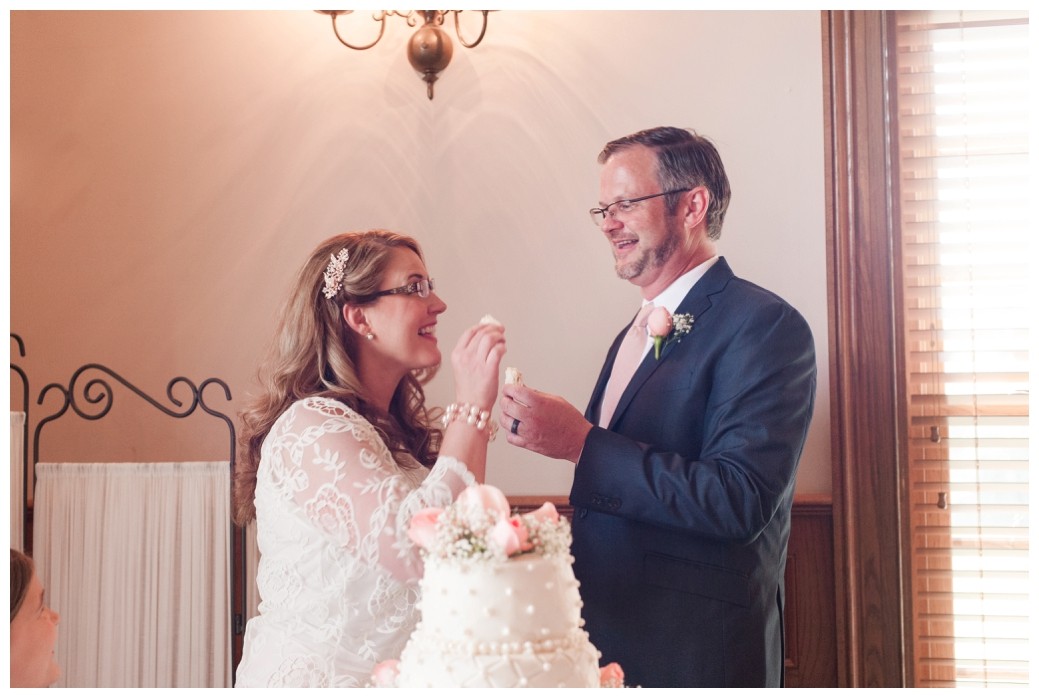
x=650, y=258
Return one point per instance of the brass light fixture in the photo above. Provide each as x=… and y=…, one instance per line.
x=429, y=49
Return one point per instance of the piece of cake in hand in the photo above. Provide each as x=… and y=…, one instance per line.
x=513, y=376
x=500, y=604
x=490, y=320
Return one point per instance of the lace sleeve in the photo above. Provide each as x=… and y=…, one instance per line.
x=349, y=487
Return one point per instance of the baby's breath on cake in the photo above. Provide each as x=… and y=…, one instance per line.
x=459, y=538
x=549, y=538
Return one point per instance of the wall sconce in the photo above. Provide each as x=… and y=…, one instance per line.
x=429, y=49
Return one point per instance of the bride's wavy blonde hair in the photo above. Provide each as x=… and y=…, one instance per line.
x=314, y=353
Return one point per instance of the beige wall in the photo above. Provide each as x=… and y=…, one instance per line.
x=170, y=171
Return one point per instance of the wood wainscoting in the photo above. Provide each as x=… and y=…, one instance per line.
x=811, y=595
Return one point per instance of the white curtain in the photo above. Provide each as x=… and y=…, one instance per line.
x=17, y=479
x=135, y=558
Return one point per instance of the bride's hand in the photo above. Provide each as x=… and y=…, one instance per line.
x=476, y=360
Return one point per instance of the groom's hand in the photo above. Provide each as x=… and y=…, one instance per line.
x=543, y=423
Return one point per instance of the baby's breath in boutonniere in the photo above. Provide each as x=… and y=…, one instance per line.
x=665, y=328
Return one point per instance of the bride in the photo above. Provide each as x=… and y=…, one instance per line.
x=338, y=452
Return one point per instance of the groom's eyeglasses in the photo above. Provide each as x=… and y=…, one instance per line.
x=623, y=206
x=420, y=288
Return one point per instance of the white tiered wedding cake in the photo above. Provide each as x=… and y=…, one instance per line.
x=500, y=604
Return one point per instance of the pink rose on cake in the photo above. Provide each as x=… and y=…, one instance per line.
x=611, y=676
x=385, y=673
x=480, y=504
x=511, y=535
x=423, y=528
x=479, y=525
x=546, y=513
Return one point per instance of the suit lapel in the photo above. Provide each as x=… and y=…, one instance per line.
x=697, y=302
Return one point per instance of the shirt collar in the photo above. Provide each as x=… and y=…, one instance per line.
x=672, y=296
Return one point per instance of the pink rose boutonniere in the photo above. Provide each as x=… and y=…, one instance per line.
x=665, y=328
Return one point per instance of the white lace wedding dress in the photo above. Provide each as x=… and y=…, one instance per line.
x=338, y=575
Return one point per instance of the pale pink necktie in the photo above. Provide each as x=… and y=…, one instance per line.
x=629, y=356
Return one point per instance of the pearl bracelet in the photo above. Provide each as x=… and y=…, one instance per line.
x=471, y=415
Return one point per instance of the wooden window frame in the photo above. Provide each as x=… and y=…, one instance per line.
x=869, y=435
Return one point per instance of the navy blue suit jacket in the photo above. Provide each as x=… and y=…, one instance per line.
x=682, y=507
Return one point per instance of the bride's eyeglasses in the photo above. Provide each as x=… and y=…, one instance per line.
x=421, y=288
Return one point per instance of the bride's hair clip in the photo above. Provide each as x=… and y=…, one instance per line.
x=334, y=273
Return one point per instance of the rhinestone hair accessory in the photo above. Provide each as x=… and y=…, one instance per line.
x=334, y=273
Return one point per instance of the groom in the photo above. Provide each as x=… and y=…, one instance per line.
x=685, y=463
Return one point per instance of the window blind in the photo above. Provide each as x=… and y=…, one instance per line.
x=962, y=104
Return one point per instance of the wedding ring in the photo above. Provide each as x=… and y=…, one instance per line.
x=515, y=426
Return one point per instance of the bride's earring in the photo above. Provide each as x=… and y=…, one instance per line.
x=369, y=335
